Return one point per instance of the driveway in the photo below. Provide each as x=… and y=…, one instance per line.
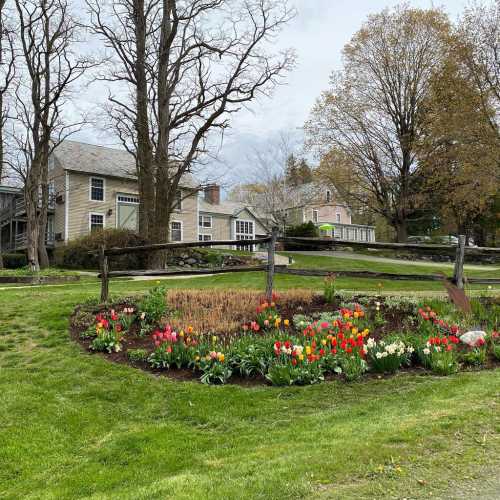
x=386, y=260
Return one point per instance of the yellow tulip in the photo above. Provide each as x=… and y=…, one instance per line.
x=323, y=341
x=286, y=322
x=301, y=357
x=308, y=350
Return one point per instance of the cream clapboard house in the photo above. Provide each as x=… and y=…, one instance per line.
x=95, y=187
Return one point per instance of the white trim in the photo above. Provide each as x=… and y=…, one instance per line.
x=182, y=229
x=338, y=217
x=66, y=207
x=90, y=219
x=103, y=179
x=315, y=215
x=205, y=237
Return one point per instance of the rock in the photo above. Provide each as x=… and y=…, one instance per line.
x=191, y=261
x=184, y=256
x=180, y=263
x=471, y=338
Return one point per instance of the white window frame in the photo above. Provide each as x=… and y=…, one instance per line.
x=103, y=189
x=101, y=215
x=315, y=215
x=178, y=206
x=131, y=198
x=338, y=217
x=182, y=230
x=201, y=218
x=204, y=237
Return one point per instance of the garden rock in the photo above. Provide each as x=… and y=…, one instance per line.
x=471, y=338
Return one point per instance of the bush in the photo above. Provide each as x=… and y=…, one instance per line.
x=14, y=260
x=306, y=230
x=75, y=254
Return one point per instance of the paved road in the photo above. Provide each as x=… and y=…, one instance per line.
x=386, y=260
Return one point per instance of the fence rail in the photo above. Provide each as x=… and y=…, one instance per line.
x=458, y=278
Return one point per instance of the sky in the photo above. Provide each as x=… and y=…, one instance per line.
x=318, y=33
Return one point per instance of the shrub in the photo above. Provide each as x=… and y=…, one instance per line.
x=14, y=260
x=75, y=254
x=137, y=355
x=496, y=352
x=306, y=230
x=153, y=305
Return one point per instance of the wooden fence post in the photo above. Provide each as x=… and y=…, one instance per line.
x=103, y=261
x=271, y=247
x=458, y=274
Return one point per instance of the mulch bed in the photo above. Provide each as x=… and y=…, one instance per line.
x=396, y=320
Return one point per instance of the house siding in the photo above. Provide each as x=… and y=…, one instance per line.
x=80, y=205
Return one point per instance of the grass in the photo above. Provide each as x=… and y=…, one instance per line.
x=73, y=425
x=26, y=271
x=344, y=264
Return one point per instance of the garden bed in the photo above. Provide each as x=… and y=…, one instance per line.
x=302, y=338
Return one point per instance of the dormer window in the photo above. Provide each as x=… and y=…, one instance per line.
x=328, y=196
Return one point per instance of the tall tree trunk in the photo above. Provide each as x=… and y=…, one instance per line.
x=43, y=256
x=32, y=226
x=144, y=159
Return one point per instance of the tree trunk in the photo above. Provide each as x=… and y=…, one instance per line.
x=401, y=231
x=32, y=229
x=43, y=256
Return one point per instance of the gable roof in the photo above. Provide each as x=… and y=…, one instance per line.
x=232, y=209
x=102, y=160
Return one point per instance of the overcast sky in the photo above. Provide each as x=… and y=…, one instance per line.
x=318, y=33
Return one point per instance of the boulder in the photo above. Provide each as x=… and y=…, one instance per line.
x=191, y=261
x=471, y=338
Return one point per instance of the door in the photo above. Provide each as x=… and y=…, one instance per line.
x=128, y=212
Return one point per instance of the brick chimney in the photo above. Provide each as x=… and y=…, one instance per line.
x=212, y=194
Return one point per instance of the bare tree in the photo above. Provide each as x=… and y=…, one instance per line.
x=478, y=48
x=369, y=119
x=47, y=33
x=181, y=69
x=7, y=74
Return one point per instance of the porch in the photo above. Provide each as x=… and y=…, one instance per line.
x=350, y=232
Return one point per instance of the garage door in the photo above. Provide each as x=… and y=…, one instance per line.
x=128, y=212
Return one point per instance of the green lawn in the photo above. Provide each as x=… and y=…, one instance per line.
x=344, y=264
x=76, y=426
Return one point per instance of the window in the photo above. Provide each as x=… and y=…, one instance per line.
x=328, y=196
x=204, y=237
x=337, y=215
x=96, y=189
x=244, y=230
x=96, y=222
x=175, y=231
x=128, y=198
x=315, y=216
x=205, y=221
x=178, y=200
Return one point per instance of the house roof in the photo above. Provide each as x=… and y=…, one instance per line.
x=102, y=160
x=231, y=209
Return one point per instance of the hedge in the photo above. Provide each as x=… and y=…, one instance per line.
x=75, y=253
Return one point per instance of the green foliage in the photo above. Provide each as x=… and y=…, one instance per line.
x=306, y=230
x=215, y=373
x=443, y=362
x=153, y=306
x=474, y=357
x=75, y=254
x=14, y=260
x=286, y=374
x=353, y=367
x=388, y=356
x=496, y=352
x=167, y=355
x=107, y=340
x=329, y=289
x=251, y=356
x=137, y=355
